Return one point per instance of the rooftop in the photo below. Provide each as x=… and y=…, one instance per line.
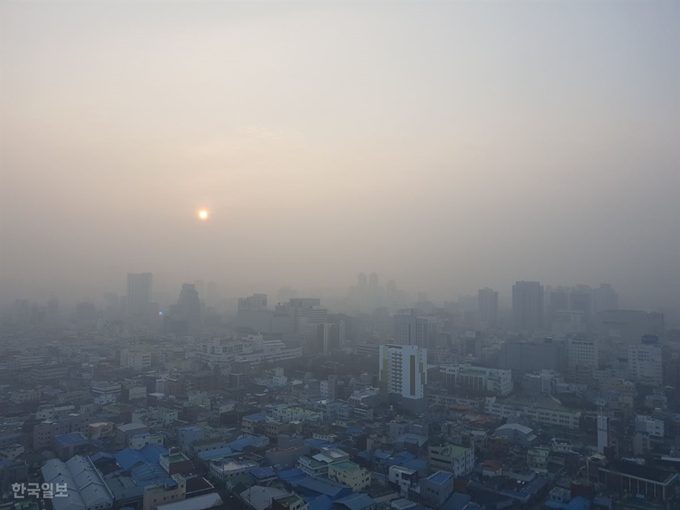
x=440, y=477
x=644, y=472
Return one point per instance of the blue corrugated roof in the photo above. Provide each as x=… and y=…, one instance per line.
x=381, y=454
x=353, y=431
x=457, y=501
x=263, y=472
x=101, y=455
x=290, y=474
x=320, y=486
x=145, y=474
x=440, y=477
x=75, y=437
x=356, y=501
x=240, y=444
x=153, y=452
x=315, y=443
x=579, y=503
x=128, y=457
x=320, y=503
x=218, y=453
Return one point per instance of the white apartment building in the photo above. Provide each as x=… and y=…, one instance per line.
x=644, y=364
x=403, y=370
x=493, y=380
x=540, y=411
x=649, y=425
x=583, y=358
x=137, y=359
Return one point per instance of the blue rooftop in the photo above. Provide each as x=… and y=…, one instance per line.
x=150, y=454
x=353, y=431
x=356, y=501
x=289, y=474
x=320, y=503
x=153, y=452
x=66, y=439
x=263, y=473
x=318, y=486
x=457, y=501
x=440, y=477
x=315, y=443
x=579, y=503
x=240, y=444
x=219, y=453
x=382, y=454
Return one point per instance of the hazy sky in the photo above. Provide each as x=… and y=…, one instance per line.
x=448, y=146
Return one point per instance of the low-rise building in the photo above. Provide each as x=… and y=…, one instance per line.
x=349, y=473
x=452, y=458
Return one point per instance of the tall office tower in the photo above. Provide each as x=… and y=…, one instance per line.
x=211, y=294
x=645, y=361
x=580, y=300
x=558, y=300
x=403, y=375
x=413, y=329
x=602, y=433
x=362, y=281
x=487, y=304
x=188, y=304
x=200, y=288
x=139, y=289
x=254, y=302
x=332, y=386
x=605, y=298
x=527, y=306
x=391, y=294
x=583, y=358
x=284, y=294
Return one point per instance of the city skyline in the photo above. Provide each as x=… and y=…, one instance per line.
x=440, y=145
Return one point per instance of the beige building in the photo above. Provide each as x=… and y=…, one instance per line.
x=351, y=474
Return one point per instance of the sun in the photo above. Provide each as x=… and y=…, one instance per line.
x=203, y=214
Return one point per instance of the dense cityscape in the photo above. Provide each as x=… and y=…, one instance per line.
x=564, y=400
x=339, y=255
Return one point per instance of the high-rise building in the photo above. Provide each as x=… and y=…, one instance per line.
x=580, y=300
x=645, y=361
x=139, y=291
x=413, y=329
x=362, y=281
x=403, y=375
x=373, y=281
x=189, y=306
x=487, y=304
x=602, y=433
x=605, y=298
x=583, y=358
x=529, y=357
x=527, y=306
x=558, y=300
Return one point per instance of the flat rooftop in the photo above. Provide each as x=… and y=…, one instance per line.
x=440, y=477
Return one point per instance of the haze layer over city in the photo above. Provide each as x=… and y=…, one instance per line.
x=340, y=255
x=446, y=146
